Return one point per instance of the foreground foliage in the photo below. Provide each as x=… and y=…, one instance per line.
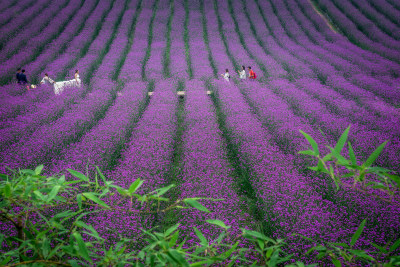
x=49, y=222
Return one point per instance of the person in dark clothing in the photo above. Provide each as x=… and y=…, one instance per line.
x=18, y=75
x=23, y=79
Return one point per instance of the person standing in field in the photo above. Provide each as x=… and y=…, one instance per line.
x=23, y=79
x=18, y=74
x=47, y=79
x=242, y=73
x=252, y=74
x=226, y=75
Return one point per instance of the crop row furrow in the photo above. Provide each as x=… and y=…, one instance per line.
x=284, y=126
x=131, y=69
x=28, y=38
x=206, y=171
x=147, y=156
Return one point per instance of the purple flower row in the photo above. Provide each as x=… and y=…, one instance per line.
x=74, y=48
x=290, y=203
x=132, y=69
x=206, y=172
x=177, y=56
x=41, y=113
x=285, y=126
x=147, y=156
x=46, y=25
x=49, y=139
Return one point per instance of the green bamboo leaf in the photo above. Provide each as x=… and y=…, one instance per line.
x=83, y=251
x=39, y=169
x=53, y=193
x=358, y=233
x=39, y=195
x=88, y=227
x=177, y=257
x=361, y=254
x=395, y=245
x=101, y=174
x=135, y=185
x=171, y=229
x=202, y=238
x=336, y=262
x=371, y=159
x=352, y=155
x=307, y=152
x=195, y=204
x=79, y=175
x=312, y=142
x=96, y=200
x=5, y=261
x=162, y=191
x=174, y=238
x=7, y=190
x=79, y=200
x=218, y=223
x=342, y=141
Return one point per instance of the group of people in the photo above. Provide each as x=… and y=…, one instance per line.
x=242, y=74
x=58, y=86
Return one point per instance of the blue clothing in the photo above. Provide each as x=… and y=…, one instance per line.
x=18, y=75
x=22, y=78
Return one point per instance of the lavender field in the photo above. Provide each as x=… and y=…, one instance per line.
x=321, y=66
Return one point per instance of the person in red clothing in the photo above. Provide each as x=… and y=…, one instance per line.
x=252, y=74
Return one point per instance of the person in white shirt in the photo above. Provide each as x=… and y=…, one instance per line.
x=242, y=73
x=46, y=79
x=226, y=75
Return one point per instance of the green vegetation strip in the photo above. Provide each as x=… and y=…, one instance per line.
x=127, y=48
x=167, y=52
x=85, y=48
x=149, y=40
x=206, y=40
x=242, y=173
x=186, y=40
x=242, y=39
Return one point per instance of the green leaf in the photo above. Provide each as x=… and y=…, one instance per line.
x=79, y=200
x=171, y=229
x=5, y=261
x=101, y=174
x=88, y=227
x=73, y=263
x=231, y=250
x=79, y=175
x=395, y=245
x=177, y=257
x=162, y=191
x=7, y=190
x=336, y=262
x=83, y=251
x=219, y=223
x=53, y=193
x=352, y=155
x=371, y=159
x=135, y=185
x=202, y=238
x=39, y=169
x=39, y=195
x=361, y=254
x=174, y=238
x=357, y=234
x=342, y=141
x=312, y=142
x=307, y=152
x=96, y=200
x=195, y=204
